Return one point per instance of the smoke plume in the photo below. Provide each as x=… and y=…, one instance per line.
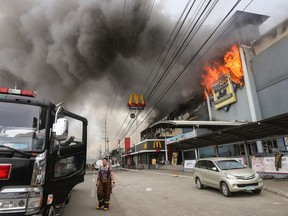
x=75, y=50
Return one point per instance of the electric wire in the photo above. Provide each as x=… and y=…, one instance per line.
x=130, y=42
x=176, y=33
x=197, y=22
x=165, y=46
x=192, y=59
x=218, y=38
x=127, y=50
x=7, y=79
x=167, y=42
x=148, y=95
x=170, y=46
x=176, y=55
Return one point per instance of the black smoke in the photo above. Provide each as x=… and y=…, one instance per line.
x=82, y=51
x=66, y=43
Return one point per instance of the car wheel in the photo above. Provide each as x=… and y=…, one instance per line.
x=225, y=189
x=258, y=191
x=198, y=183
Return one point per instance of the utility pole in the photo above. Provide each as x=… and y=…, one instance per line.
x=100, y=153
x=108, y=155
x=119, y=152
x=166, y=149
x=106, y=139
x=105, y=136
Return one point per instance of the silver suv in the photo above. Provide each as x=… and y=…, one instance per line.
x=226, y=174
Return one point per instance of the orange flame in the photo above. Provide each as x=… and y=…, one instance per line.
x=231, y=67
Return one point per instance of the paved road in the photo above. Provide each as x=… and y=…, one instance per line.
x=149, y=194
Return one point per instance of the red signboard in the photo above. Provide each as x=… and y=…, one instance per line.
x=127, y=143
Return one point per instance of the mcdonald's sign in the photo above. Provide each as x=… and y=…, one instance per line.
x=136, y=101
x=157, y=144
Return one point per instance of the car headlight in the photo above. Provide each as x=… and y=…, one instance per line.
x=257, y=175
x=231, y=177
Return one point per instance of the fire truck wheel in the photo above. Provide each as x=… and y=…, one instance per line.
x=68, y=198
x=51, y=211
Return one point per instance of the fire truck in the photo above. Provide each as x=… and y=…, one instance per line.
x=42, y=154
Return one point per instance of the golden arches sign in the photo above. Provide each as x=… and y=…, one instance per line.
x=157, y=144
x=136, y=101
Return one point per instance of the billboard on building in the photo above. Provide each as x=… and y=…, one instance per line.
x=223, y=93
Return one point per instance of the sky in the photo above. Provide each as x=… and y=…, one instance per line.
x=92, y=54
x=276, y=9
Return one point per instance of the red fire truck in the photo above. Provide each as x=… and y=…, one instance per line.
x=41, y=158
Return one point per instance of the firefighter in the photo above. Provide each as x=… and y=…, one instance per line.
x=105, y=182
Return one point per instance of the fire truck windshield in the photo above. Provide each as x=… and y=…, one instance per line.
x=22, y=126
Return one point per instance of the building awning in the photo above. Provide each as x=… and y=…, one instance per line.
x=276, y=126
x=143, y=151
x=198, y=124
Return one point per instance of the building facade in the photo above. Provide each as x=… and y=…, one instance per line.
x=261, y=96
x=258, y=93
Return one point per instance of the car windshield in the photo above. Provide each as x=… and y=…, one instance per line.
x=22, y=127
x=229, y=164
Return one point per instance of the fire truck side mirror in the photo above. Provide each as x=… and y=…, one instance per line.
x=60, y=128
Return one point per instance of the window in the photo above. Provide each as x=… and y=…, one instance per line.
x=198, y=164
x=210, y=165
x=253, y=148
x=203, y=164
x=75, y=130
x=189, y=155
x=269, y=145
x=22, y=126
x=230, y=164
x=74, y=137
x=239, y=149
x=68, y=166
x=143, y=159
x=187, y=130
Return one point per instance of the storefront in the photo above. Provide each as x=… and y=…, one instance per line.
x=240, y=142
x=147, y=154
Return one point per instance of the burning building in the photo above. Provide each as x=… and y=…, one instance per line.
x=247, y=83
x=227, y=77
x=243, y=81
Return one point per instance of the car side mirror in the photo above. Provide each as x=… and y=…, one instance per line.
x=214, y=169
x=60, y=128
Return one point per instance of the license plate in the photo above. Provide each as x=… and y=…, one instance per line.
x=250, y=188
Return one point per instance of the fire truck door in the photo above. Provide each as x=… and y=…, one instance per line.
x=66, y=166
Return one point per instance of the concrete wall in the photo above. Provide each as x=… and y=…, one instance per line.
x=270, y=69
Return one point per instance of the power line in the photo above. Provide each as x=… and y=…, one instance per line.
x=11, y=82
x=189, y=62
x=167, y=42
x=190, y=34
x=176, y=55
x=170, y=46
x=120, y=127
x=117, y=83
x=192, y=59
x=131, y=40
